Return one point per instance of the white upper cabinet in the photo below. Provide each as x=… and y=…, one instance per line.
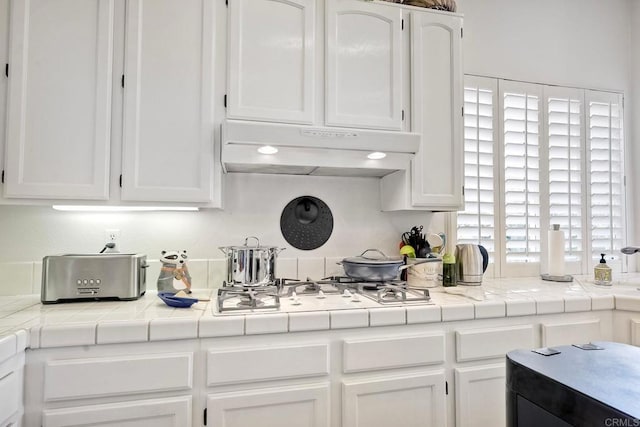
x=435, y=180
x=59, y=99
x=271, y=69
x=364, y=65
x=436, y=110
x=168, y=136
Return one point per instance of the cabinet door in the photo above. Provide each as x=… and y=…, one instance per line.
x=168, y=143
x=170, y=412
x=271, y=60
x=59, y=99
x=408, y=401
x=364, y=57
x=11, y=389
x=303, y=406
x=480, y=397
x=436, y=110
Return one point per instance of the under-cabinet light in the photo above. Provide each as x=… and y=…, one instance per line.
x=78, y=208
x=267, y=149
x=377, y=155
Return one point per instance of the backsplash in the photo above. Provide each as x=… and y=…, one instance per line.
x=253, y=205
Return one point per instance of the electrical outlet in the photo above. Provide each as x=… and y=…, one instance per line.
x=112, y=235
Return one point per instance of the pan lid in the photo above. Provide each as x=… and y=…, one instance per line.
x=367, y=257
x=306, y=223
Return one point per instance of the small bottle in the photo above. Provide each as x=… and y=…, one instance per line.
x=602, y=273
x=448, y=270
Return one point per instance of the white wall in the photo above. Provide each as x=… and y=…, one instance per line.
x=253, y=208
x=582, y=43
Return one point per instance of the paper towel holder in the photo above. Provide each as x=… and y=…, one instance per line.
x=557, y=278
x=565, y=278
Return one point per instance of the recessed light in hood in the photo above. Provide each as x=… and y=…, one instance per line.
x=376, y=155
x=313, y=150
x=267, y=149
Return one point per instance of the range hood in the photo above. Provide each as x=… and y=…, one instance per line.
x=312, y=150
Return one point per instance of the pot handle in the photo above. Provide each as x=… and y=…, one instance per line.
x=485, y=257
x=223, y=249
x=246, y=241
x=373, y=250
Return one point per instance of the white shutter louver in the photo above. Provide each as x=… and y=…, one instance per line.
x=607, y=175
x=476, y=224
x=564, y=133
x=521, y=120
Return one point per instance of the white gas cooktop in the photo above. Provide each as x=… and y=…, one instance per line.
x=323, y=297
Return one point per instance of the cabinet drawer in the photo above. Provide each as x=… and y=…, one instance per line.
x=492, y=342
x=258, y=364
x=571, y=333
x=83, y=378
x=368, y=355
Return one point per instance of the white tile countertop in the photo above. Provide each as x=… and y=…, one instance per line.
x=25, y=322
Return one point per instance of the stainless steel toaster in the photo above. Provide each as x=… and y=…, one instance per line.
x=71, y=277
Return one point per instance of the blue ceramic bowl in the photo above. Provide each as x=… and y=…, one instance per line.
x=173, y=301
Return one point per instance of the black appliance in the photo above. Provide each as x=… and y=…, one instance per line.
x=596, y=386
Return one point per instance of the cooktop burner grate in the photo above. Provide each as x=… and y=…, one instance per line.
x=238, y=298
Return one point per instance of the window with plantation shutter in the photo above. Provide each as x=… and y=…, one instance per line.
x=606, y=161
x=521, y=105
x=476, y=224
x=565, y=144
x=535, y=156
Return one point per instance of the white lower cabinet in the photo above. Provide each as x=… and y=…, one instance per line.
x=170, y=412
x=437, y=374
x=129, y=385
x=300, y=406
x=480, y=396
x=408, y=401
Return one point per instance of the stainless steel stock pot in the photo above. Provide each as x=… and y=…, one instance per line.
x=251, y=265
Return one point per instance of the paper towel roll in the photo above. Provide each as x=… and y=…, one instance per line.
x=556, y=251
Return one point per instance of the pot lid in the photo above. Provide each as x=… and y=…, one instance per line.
x=306, y=223
x=374, y=257
x=248, y=246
